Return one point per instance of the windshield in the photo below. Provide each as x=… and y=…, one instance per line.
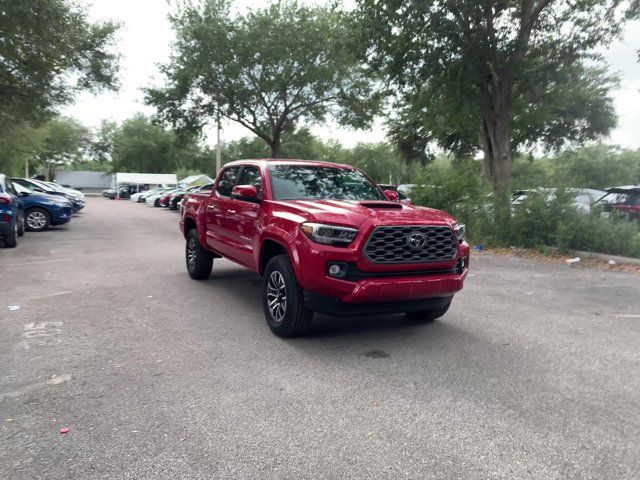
x=294, y=182
x=614, y=198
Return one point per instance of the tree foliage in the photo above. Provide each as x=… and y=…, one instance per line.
x=139, y=145
x=495, y=75
x=267, y=70
x=64, y=141
x=48, y=52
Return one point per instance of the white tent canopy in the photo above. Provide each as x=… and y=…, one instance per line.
x=196, y=180
x=146, y=178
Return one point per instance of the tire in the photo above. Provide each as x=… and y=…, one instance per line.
x=11, y=239
x=429, y=315
x=21, y=227
x=37, y=219
x=288, y=318
x=199, y=260
x=156, y=203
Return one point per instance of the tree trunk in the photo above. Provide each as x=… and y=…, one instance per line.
x=496, y=145
x=275, y=145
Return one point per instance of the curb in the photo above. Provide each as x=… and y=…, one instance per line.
x=605, y=257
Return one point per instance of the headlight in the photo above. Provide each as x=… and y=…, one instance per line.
x=329, y=234
x=460, y=230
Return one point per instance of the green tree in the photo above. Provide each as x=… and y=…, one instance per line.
x=139, y=145
x=101, y=146
x=597, y=166
x=494, y=75
x=267, y=70
x=19, y=145
x=64, y=141
x=48, y=52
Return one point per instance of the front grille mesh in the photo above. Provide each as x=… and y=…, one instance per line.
x=391, y=244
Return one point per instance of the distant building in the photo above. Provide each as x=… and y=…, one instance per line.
x=84, y=180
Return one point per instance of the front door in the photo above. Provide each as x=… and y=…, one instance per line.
x=244, y=218
x=219, y=230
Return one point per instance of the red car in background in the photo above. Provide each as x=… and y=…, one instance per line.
x=622, y=199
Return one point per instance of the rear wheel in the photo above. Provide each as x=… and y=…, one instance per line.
x=429, y=315
x=38, y=219
x=11, y=238
x=282, y=299
x=199, y=260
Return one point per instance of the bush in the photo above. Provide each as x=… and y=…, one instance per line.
x=542, y=220
x=596, y=234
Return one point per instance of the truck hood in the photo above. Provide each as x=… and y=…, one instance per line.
x=355, y=213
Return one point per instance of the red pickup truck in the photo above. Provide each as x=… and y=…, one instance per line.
x=324, y=237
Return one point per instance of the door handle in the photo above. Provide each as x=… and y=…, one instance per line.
x=231, y=211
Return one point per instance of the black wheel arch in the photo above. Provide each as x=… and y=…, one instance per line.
x=269, y=249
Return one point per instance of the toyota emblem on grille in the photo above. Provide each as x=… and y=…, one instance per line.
x=416, y=240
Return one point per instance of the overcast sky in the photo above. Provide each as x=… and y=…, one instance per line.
x=144, y=41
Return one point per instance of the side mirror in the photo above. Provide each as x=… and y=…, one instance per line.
x=392, y=195
x=246, y=193
x=38, y=189
x=23, y=194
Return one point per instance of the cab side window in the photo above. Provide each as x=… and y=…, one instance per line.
x=227, y=181
x=251, y=176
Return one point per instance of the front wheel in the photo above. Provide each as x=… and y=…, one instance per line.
x=282, y=299
x=38, y=219
x=429, y=315
x=21, y=227
x=199, y=260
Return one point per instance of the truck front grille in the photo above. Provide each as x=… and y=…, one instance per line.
x=411, y=244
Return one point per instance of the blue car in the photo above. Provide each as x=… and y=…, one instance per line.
x=33, y=185
x=11, y=213
x=42, y=210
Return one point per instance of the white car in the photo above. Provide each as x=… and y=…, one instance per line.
x=71, y=191
x=136, y=196
x=154, y=200
x=583, y=198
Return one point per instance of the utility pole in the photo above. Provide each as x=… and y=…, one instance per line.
x=26, y=167
x=218, y=147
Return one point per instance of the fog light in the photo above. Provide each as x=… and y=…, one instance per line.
x=337, y=270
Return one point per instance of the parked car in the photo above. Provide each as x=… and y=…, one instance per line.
x=71, y=191
x=125, y=191
x=324, y=237
x=11, y=213
x=143, y=197
x=155, y=198
x=402, y=197
x=43, y=210
x=174, y=203
x=136, y=196
x=40, y=187
x=624, y=199
x=583, y=198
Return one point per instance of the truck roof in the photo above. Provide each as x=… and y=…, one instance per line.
x=288, y=161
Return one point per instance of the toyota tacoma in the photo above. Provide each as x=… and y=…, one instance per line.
x=324, y=237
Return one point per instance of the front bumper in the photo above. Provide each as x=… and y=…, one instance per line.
x=61, y=215
x=375, y=284
x=333, y=306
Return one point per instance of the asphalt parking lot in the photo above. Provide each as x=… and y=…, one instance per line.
x=533, y=373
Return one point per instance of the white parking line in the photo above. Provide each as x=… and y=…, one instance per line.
x=628, y=316
x=36, y=262
x=56, y=294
